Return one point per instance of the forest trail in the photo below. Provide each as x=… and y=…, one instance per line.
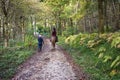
x=50, y=65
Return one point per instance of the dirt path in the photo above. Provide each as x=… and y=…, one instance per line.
x=49, y=65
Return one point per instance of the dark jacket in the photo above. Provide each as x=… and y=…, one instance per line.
x=40, y=40
x=53, y=33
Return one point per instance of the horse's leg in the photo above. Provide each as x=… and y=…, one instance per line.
x=53, y=42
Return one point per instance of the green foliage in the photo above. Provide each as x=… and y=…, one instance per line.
x=30, y=41
x=104, y=48
x=16, y=54
x=43, y=30
x=14, y=57
x=116, y=62
x=68, y=31
x=115, y=42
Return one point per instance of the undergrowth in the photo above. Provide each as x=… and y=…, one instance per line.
x=97, y=54
x=12, y=57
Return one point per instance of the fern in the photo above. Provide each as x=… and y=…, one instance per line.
x=106, y=58
x=115, y=42
x=115, y=62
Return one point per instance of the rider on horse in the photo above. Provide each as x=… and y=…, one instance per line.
x=54, y=37
x=54, y=32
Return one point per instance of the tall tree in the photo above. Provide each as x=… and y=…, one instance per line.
x=101, y=16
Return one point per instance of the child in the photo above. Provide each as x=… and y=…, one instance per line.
x=40, y=42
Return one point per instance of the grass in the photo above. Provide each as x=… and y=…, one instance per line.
x=87, y=59
x=10, y=59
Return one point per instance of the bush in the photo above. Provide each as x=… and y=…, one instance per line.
x=105, y=47
x=14, y=57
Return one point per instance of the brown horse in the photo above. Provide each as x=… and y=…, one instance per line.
x=53, y=41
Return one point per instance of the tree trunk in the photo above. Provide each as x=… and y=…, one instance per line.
x=106, y=16
x=71, y=25
x=45, y=23
x=76, y=28
x=119, y=15
x=59, y=24
x=90, y=25
x=31, y=21
x=6, y=38
x=85, y=24
x=0, y=29
x=101, y=16
x=23, y=32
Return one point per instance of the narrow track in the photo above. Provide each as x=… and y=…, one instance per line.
x=49, y=65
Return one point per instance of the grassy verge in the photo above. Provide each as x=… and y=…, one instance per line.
x=10, y=59
x=89, y=61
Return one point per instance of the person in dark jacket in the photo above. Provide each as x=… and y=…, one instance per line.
x=54, y=33
x=53, y=38
x=40, y=42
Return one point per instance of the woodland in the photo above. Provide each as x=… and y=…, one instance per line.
x=88, y=29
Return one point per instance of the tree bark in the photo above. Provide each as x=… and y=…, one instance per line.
x=119, y=15
x=0, y=28
x=101, y=16
x=23, y=32
x=6, y=38
x=106, y=16
x=85, y=24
